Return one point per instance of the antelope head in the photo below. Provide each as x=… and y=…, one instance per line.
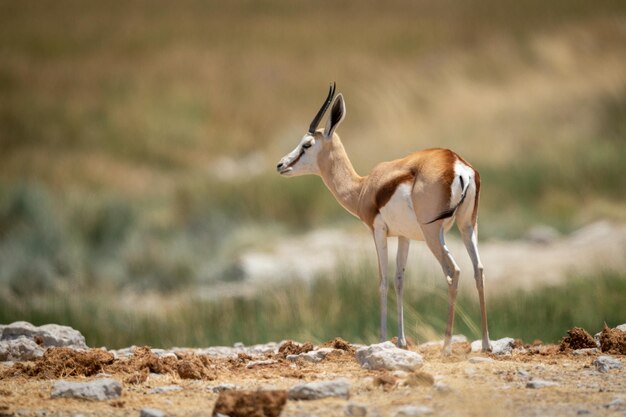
x=303, y=159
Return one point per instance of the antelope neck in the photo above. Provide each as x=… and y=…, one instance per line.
x=340, y=177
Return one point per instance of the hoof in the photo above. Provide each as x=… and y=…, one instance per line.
x=402, y=344
x=446, y=351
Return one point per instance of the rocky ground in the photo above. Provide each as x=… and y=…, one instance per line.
x=581, y=376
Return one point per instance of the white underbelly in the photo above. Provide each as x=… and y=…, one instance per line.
x=399, y=216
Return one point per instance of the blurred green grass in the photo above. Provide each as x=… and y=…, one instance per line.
x=323, y=310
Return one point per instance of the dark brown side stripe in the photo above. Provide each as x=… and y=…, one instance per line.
x=386, y=191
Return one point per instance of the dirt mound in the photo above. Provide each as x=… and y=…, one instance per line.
x=195, y=367
x=143, y=359
x=294, y=348
x=613, y=341
x=577, y=338
x=339, y=343
x=250, y=403
x=63, y=362
x=144, y=362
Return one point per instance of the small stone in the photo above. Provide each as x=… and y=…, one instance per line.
x=522, y=373
x=442, y=387
x=586, y=352
x=316, y=355
x=355, y=410
x=605, y=363
x=320, y=389
x=583, y=412
x=502, y=346
x=252, y=364
x=388, y=356
x=100, y=389
x=480, y=359
x=413, y=411
x=540, y=383
x=165, y=388
x=614, y=403
x=151, y=412
x=222, y=387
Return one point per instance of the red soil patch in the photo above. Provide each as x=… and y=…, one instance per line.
x=250, y=403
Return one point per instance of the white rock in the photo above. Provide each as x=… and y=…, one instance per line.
x=442, y=387
x=355, y=410
x=480, y=359
x=100, y=389
x=252, y=364
x=51, y=334
x=386, y=355
x=586, y=352
x=166, y=388
x=20, y=349
x=311, y=356
x=412, y=411
x=151, y=412
x=540, y=383
x=605, y=363
x=320, y=389
x=498, y=347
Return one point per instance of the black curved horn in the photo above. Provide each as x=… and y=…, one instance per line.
x=320, y=113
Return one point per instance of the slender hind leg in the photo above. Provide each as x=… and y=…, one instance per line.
x=434, y=237
x=380, y=239
x=401, y=257
x=470, y=239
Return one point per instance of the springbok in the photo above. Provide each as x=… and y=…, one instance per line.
x=417, y=197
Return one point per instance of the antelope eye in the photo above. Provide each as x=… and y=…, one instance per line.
x=307, y=145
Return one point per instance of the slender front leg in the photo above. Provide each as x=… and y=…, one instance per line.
x=401, y=257
x=380, y=239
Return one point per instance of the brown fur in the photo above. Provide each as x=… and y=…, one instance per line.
x=432, y=173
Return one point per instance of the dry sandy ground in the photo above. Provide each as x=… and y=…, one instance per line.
x=463, y=387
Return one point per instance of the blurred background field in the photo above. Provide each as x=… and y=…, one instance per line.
x=138, y=143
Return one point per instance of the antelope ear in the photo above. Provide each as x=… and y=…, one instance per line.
x=337, y=114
